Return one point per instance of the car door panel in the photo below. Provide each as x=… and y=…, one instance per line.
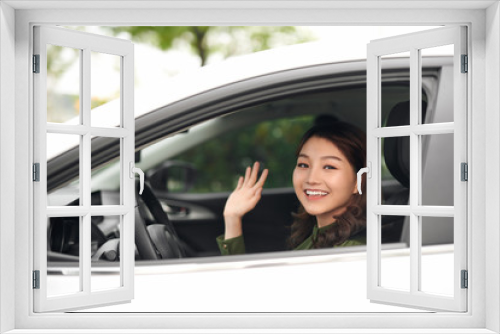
x=198, y=219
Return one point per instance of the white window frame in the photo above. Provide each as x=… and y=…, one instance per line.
x=414, y=210
x=16, y=20
x=87, y=44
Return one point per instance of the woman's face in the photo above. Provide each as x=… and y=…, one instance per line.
x=323, y=180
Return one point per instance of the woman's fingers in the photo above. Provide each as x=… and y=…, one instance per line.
x=262, y=179
x=250, y=179
x=253, y=175
x=247, y=193
x=240, y=183
x=248, y=171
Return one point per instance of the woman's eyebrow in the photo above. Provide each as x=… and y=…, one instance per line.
x=334, y=157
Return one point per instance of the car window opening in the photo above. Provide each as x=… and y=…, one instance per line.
x=192, y=173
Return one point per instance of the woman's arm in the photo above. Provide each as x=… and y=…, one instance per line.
x=243, y=199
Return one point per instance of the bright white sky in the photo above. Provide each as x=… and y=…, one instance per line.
x=152, y=64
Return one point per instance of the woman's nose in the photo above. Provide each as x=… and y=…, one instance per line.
x=312, y=176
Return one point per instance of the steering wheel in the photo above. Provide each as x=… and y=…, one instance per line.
x=154, y=206
x=158, y=240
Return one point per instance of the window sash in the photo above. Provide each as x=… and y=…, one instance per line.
x=86, y=43
x=375, y=131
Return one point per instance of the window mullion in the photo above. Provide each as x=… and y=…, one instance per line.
x=80, y=211
x=86, y=254
x=373, y=153
x=415, y=97
x=434, y=128
x=420, y=129
x=82, y=130
x=420, y=210
x=415, y=251
x=85, y=159
x=85, y=168
x=127, y=147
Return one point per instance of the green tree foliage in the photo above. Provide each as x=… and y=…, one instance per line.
x=224, y=41
x=220, y=161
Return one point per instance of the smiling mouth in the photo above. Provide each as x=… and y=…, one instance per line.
x=315, y=193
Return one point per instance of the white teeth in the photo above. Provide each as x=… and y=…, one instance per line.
x=315, y=193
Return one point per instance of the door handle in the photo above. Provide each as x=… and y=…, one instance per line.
x=366, y=170
x=134, y=170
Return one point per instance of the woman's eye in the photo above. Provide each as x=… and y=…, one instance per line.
x=330, y=167
x=302, y=165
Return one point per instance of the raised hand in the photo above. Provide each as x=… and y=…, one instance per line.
x=243, y=199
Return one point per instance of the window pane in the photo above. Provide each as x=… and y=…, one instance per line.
x=102, y=148
x=105, y=90
x=105, y=263
x=442, y=111
x=437, y=255
x=219, y=161
x=63, y=256
x=395, y=170
x=70, y=194
x=63, y=84
x=437, y=170
x=395, y=74
x=395, y=257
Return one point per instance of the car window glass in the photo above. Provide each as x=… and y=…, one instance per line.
x=219, y=161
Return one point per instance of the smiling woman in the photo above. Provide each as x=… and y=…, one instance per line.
x=325, y=183
x=332, y=212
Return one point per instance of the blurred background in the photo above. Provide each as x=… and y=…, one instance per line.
x=162, y=52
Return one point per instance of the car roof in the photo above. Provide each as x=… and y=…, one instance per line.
x=165, y=91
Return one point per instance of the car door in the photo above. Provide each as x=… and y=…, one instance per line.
x=194, y=182
x=194, y=185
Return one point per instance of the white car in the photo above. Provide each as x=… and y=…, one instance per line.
x=196, y=134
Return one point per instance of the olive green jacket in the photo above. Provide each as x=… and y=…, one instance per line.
x=234, y=246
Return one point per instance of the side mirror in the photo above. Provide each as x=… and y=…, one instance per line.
x=173, y=177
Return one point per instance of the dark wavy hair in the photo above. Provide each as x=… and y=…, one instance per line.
x=351, y=141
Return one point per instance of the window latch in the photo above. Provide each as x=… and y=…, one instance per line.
x=135, y=170
x=368, y=171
